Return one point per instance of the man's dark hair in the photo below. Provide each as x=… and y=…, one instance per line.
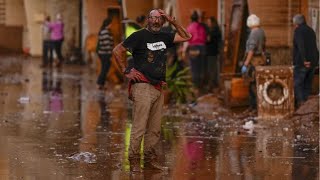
x=213, y=21
x=194, y=16
x=141, y=19
x=106, y=23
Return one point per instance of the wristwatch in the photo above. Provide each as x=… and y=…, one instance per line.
x=126, y=71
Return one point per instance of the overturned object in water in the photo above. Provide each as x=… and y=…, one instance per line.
x=86, y=157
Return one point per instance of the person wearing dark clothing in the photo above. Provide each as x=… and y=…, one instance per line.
x=47, y=56
x=148, y=47
x=141, y=21
x=57, y=37
x=213, y=47
x=196, y=51
x=130, y=28
x=104, y=51
x=305, y=58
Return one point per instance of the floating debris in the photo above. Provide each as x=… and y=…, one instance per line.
x=86, y=157
x=248, y=126
x=24, y=100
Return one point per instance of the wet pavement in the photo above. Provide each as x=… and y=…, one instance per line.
x=54, y=124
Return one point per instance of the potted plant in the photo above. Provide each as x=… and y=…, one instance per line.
x=178, y=83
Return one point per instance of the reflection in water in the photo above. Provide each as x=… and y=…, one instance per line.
x=197, y=160
x=305, y=146
x=193, y=147
x=89, y=126
x=66, y=116
x=51, y=84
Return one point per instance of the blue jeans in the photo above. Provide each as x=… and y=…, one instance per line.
x=105, y=60
x=302, y=83
x=47, y=56
x=57, y=45
x=198, y=65
x=252, y=87
x=253, y=95
x=213, y=71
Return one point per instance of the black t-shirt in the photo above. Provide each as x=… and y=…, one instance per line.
x=149, y=53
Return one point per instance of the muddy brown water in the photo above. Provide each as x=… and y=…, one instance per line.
x=54, y=124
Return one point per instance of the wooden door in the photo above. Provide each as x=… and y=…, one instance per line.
x=234, y=50
x=234, y=46
x=115, y=74
x=116, y=28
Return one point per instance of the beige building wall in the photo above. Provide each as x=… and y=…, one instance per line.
x=275, y=21
x=34, y=11
x=95, y=11
x=209, y=7
x=70, y=10
x=138, y=7
x=10, y=38
x=276, y=18
x=15, y=13
x=12, y=23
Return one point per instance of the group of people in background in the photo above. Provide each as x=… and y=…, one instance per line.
x=305, y=58
x=144, y=65
x=53, y=36
x=202, y=51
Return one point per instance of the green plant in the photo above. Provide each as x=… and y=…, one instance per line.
x=179, y=82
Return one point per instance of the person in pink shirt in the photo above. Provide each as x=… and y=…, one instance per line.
x=57, y=37
x=196, y=50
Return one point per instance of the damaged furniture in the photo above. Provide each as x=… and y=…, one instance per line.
x=275, y=94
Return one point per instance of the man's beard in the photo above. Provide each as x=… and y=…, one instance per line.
x=156, y=27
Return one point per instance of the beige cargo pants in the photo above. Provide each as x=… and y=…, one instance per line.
x=146, y=122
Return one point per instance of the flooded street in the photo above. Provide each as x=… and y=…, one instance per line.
x=55, y=124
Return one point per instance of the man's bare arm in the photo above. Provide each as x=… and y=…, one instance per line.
x=119, y=54
x=182, y=34
x=248, y=58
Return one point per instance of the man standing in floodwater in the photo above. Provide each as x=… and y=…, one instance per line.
x=305, y=59
x=148, y=47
